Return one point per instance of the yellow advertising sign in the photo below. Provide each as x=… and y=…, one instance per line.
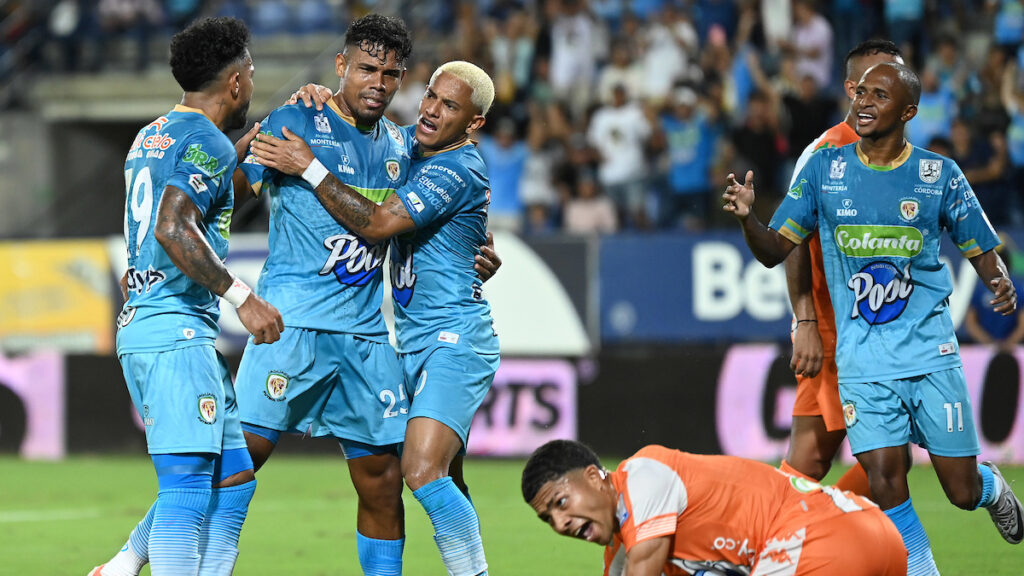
x=56, y=294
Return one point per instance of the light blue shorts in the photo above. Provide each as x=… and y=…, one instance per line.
x=324, y=384
x=448, y=383
x=185, y=399
x=932, y=410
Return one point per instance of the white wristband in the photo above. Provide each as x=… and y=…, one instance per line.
x=315, y=173
x=237, y=293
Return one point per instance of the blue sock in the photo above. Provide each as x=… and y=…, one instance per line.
x=218, y=540
x=989, y=487
x=380, y=557
x=919, y=550
x=456, y=527
x=174, y=537
x=135, y=552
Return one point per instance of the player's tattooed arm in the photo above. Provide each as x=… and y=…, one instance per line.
x=353, y=210
x=243, y=190
x=648, y=558
x=807, y=349
x=768, y=246
x=992, y=271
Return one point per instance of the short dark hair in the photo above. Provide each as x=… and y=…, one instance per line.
x=552, y=461
x=377, y=35
x=910, y=79
x=870, y=48
x=202, y=51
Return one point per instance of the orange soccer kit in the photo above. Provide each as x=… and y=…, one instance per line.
x=727, y=513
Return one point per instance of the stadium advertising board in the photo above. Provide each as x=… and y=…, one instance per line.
x=32, y=405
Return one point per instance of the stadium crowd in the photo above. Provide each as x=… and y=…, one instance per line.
x=627, y=114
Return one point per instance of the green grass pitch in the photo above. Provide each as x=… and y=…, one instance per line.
x=62, y=518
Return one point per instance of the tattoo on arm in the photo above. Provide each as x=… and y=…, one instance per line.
x=350, y=208
x=179, y=233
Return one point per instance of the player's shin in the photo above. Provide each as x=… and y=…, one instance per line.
x=380, y=557
x=229, y=505
x=456, y=527
x=135, y=552
x=185, y=487
x=919, y=550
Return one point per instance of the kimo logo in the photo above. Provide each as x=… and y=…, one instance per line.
x=880, y=292
x=861, y=241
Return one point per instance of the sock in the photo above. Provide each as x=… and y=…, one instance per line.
x=785, y=467
x=218, y=539
x=855, y=480
x=990, y=487
x=135, y=552
x=919, y=550
x=174, y=537
x=380, y=557
x=456, y=527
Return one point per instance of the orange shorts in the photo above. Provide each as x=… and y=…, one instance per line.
x=864, y=543
x=819, y=396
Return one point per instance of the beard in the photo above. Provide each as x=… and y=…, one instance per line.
x=237, y=119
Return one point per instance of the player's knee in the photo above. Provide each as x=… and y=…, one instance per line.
x=419, y=473
x=963, y=497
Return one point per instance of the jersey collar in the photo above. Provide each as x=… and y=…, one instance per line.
x=348, y=119
x=183, y=108
x=456, y=146
x=896, y=163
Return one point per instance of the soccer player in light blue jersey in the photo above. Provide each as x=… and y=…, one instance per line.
x=446, y=342
x=880, y=206
x=177, y=217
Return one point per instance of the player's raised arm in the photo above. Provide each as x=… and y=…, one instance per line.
x=243, y=190
x=993, y=273
x=649, y=557
x=356, y=212
x=768, y=246
x=178, y=232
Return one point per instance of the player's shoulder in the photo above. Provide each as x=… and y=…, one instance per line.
x=397, y=134
x=294, y=116
x=206, y=147
x=836, y=137
x=933, y=167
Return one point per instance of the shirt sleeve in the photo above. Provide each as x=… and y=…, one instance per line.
x=797, y=217
x=435, y=190
x=289, y=116
x=204, y=169
x=657, y=497
x=968, y=226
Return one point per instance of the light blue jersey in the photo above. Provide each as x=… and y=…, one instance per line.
x=318, y=274
x=166, y=309
x=437, y=294
x=880, y=232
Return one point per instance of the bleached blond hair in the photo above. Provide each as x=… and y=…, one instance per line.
x=475, y=78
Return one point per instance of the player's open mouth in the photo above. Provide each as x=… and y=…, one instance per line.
x=373, y=102
x=864, y=119
x=585, y=531
x=427, y=126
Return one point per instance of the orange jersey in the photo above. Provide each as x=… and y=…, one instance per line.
x=721, y=512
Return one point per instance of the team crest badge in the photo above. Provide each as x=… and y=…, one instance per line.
x=930, y=170
x=796, y=192
x=208, y=408
x=909, y=209
x=837, y=170
x=393, y=168
x=850, y=413
x=277, y=385
x=321, y=123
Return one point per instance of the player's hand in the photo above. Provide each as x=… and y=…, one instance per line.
x=242, y=146
x=311, y=95
x=261, y=319
x=487, y=261
x=123, y=283
x=808, y=352
x=289, y=156
x=738, y=197
x=1005, y=296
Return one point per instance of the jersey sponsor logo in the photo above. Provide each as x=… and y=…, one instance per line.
x=741, y=548
x=393, y=168
x=395, y=134
x=321, y=123
x=970, y=199
x=929, y=170
x=880, y=292
x=277, y=385
x=909, y=209
x=197, y=184
x=188, y=333
x=344, y=168
x=207, y=408
x=847, y=211
x=452, y=174
x=204, y=162
x=803, y=485
x=322, y=142
x=850, y=413
x=449, y=337
x=954, y=183
x=621, y=511
x=416, y=203
x=224, y=223
x=947, y=348
x=833, y=188
x=143, y=281
x=126, y=316
x=353, y=262
x=147, y=420
x=837, y=170
x=864, y=241
x=928, y=191
x=796, y=192
x=403, y=279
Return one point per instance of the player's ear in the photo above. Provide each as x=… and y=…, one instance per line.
x=475, y=124
x=851, y=88
x=908, y=113
x=594, y=474
x=340, y=63
x=235, y=83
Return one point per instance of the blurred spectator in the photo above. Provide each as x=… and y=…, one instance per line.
x=811, y=43
x=935, y=112
x=720, y=14
x=577, y=44
x=984, y=106
x=181, y=12
x=271, y=17
x=405, y=105
x=762, y=147
x=621, y=71
x=619, y=132
x=985, y=326
x=510, y=42
x=904, y=19
x=691, y=142
x=132, y=19
x=1009, y=23
x=941, y=146
x=589, y=211
x=948, y=65
x=810, y=114
x=505, y=156
x=547, y=134
x=313, y=16
x=984, y=163
x=668, y=41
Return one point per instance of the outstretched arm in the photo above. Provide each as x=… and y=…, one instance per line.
x=768, y=246
x=353, y=210
x=178, y=232
x=807, y=348
x=649, y=557
x=992, y=271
